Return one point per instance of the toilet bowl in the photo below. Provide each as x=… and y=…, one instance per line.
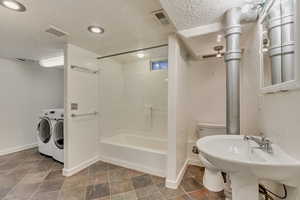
x=212, y=179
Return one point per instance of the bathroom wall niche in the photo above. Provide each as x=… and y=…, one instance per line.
x=279, y=36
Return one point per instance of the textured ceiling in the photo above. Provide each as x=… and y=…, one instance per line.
x=187, y=14
x=128, y=25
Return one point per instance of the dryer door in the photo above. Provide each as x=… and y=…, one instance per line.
x=44, y=130
x=58, y=136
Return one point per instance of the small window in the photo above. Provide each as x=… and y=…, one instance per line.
x=159, y=65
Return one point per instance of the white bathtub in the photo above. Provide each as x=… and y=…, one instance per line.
x=136, y=152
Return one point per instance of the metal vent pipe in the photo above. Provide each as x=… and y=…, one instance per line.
x=288, y=40
x=233, y=55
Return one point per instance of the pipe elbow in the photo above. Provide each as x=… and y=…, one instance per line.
x=247, y=13
x=233, y=17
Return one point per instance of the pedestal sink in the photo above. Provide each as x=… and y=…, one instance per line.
x=247, y=164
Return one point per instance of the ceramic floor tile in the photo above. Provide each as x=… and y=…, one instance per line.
x=34, y=177
x=7, y=166
x=125, y=196
x=9, y=180
x=28, y=175
x=182, y=197
x=49, y=186
x=76, y=181
x=28, y=165
x=22, y=191
x=97, y=191
x=4, y=191
x=157, y=180
x=98, y=168
x=170, y=193
x=141, y=181
x=156, y=196
x=54, y=175
x=121, y=187
x=73, y=193
x=57, y=165
x=113, y=167
x=216, y=195
x=133, y=173
x=45, y=196
x=191, y=184
x=146, y=191
x=118, y=175
x=199, y=195
x=98, y=178
x=19, y=173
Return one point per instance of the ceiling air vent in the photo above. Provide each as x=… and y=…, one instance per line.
x=161, y=17
x=56, y=31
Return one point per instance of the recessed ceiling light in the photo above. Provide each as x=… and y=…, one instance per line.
x=140, y=55
x=13, y=5
x=96, y=29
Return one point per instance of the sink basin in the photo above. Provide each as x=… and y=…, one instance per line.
x=246, y=164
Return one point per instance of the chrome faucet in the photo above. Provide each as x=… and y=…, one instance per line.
x=263, y=143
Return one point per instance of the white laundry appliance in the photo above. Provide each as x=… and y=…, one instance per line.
x=44, y=132
x=57, y=140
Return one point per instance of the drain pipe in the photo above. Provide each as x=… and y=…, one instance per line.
x=288, y=40
x=233, y=55
x=274, y=31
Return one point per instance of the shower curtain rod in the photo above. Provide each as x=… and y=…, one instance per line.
x=132, y=51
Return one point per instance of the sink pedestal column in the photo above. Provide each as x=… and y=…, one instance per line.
x=244, y=187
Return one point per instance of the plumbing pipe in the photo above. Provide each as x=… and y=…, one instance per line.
x=288, y=40
x=274, y=30
x=233, y=55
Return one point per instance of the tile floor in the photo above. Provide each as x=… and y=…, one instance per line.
x=27, y=175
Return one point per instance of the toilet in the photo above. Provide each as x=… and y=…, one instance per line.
x=212, y=179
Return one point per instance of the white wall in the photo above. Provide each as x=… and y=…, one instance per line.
x=207, y=89
x=177, y=112
x=278, y=114
x=127, y=91
x=111, y=90
x=26, y=89
x=82, y=133
x=145, y=90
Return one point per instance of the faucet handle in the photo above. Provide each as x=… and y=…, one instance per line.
x=265, y=140
x=246, y=138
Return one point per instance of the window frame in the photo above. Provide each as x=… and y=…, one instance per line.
x=157, y=60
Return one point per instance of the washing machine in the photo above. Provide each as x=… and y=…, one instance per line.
x=44, y=132
x=57, y=140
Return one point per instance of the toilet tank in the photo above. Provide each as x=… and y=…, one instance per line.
x=209, y=129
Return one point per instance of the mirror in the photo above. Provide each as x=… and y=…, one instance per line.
x=278, y=43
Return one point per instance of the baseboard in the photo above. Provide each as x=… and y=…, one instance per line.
x=132, y=166
x=81, y=166
x=17, y=149
x=174, y=184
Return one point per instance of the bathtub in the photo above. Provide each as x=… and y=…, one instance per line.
x=141, y=153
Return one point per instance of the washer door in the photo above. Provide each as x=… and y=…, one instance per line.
x=58, y=136
x=44, y=130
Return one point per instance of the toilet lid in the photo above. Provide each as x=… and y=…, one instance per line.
x=211, y=125
x=44, y=130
